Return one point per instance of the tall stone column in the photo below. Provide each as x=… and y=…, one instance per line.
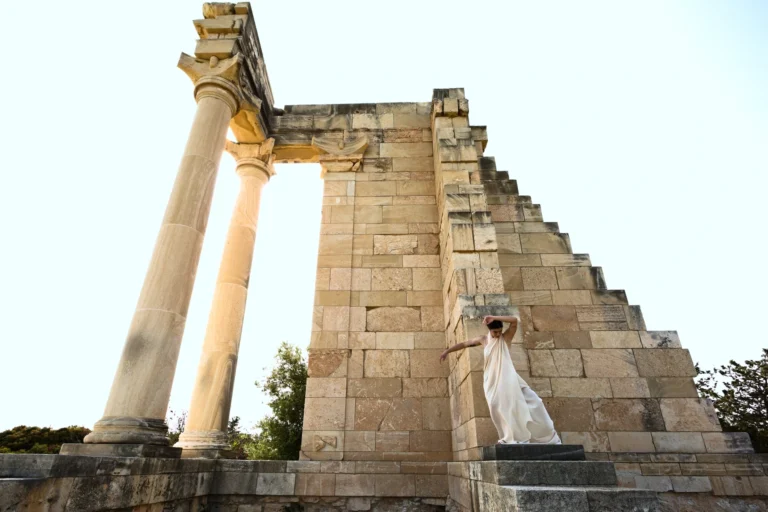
x=206, y=429
x=138, y=401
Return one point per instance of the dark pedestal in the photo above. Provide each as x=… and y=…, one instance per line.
x=120, y=450
x=534, y=452
x=193, y=453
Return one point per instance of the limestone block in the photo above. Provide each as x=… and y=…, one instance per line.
x=640, y=442
x=426, y=364
x=579, y=339
x=427, y=279
x=355, y=485
x=324, y=413
x=571, y=297
x=392, y=441
x=372, y=121
x=425, y=298
x=672, y=387
x=615, y=339
x=340, y=216
x=362, y=244
x=701, y=469
x=603, y=313
x=406, y=150
x=334, y=188
x=425, y=387
x=691, y=484
x=592, y=441
x=322, y=279
x=555, y=363
x=340, y=279
x=512, y=279
x=525, y=298
x=576, y=278
x=731, y=486
x=381, y=261
x=609, y=297
x=330, y=261
x=759, y=485
x=326, y=387
x=436, y=415
x=368, y=214
x=571, y=414
x=377, y=467
x=421, y=261
x=276, y=484
x=506, y=213
x=678, y=442
x=554, y=318
x=375, y=388
x=356, y=320
x=542, y=387
x=509, y=243
x=335, y=244
x=394, y=485
x=391, y=279
x=432, y=486
x=664, y=363
x=689, y=415
x=397, y=319
x=386, y=363
x=727, y=442
x=409, y=213
x=359, y=441
x=584, y=388
x=432, y=318
x=362, y=340
x=416, y=188
x=413, y=164
x=336, y=318
x=635, y=318
x=429, y=340
x=539, y=340
x=609, y=363
x=657, y=469
x=630, y=387
x=485, y=237
x=327, y=363
x=544, y=243
x=430, y=441
x=309, y=484
x=539, y=278
x=566, y=260
x=628, y=415
x=332, y=298
x=660, y=339
x=376, y=188
x=394, y=340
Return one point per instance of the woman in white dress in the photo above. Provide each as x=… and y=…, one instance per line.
x=516, y=410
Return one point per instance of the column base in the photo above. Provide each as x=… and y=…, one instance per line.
x=120, y=450
x=128, y=430
x=203, y=441
x=207, y=453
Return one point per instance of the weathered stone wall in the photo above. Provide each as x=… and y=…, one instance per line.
x=376, y=388
x=77, y=483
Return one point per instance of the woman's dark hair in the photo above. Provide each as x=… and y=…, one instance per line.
x=496, y=324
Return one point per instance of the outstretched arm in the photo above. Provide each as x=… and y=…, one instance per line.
x=511, y=320
x=461, y=346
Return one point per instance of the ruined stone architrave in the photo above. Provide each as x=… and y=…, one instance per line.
x=421, y=236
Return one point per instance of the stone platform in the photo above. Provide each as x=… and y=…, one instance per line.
x=534, y=452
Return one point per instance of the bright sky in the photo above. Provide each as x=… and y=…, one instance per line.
x=641, y=127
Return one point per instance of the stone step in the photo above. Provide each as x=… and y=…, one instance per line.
x=544, y=472
x=501, y=187
x=534, y=451
x=487, y=163
x=485, y=176
x=498, y=498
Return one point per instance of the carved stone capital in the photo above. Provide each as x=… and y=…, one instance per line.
x=253, y=159
x=214, y=77
x=339, y=155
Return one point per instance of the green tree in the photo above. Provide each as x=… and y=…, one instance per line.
x=24, y=439
x=740, y=395
x=176, y=423
x=280, y=433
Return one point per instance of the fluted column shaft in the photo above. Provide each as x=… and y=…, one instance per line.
x=138, y=400
x=206, y=427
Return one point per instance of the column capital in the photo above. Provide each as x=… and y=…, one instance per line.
x=340, y=155
x=216, y=77
x=255, y=160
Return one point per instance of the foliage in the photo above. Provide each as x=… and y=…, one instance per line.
x=280, y=432
x=740, y=395
x=239, y=442
x=176, y=423
x=23, y=439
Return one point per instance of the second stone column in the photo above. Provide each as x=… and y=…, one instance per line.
x=206, y=429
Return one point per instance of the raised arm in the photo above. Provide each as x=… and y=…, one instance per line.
x=460, y=346
x=511, y=320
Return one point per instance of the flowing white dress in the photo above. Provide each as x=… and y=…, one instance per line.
x=516, y=410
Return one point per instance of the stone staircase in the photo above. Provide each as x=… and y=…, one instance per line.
x=546, y=484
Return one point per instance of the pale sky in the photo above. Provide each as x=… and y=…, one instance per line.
x=641, y=127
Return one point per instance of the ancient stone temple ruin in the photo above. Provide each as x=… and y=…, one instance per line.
x=421, y=236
